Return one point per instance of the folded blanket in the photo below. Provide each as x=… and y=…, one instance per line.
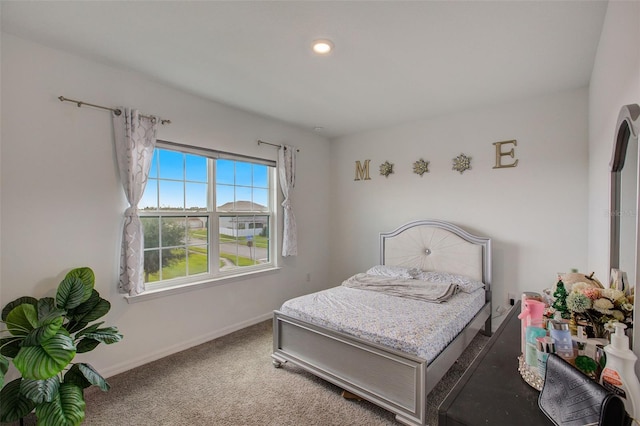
x=408, y=288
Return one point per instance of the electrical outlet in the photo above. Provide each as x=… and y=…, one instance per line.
x=512, y=298
x=308, y=276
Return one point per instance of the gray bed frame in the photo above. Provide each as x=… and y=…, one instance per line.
x=397, y=381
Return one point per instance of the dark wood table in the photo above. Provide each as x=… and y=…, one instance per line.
x=491, y=391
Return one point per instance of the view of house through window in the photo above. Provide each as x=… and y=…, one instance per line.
x=205, y=216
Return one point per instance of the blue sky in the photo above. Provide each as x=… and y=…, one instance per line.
x=182, y=181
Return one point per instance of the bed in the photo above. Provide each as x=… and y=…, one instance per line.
x=361, y=352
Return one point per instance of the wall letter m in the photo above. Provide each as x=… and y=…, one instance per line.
x=362, y=172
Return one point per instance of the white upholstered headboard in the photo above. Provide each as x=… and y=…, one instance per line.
x=433, y=245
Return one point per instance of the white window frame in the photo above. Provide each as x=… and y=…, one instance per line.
x=215, y=275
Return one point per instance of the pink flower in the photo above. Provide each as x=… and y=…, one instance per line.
x=592, y=293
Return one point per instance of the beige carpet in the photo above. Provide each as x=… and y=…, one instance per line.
x=231, y=381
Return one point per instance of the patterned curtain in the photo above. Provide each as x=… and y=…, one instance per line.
x=135, y=140
x=287, y=171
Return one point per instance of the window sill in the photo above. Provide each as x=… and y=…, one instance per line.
x=184, y=288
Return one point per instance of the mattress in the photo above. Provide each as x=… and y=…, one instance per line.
x=412, y=326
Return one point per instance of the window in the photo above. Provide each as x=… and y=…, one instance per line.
x=205, y=214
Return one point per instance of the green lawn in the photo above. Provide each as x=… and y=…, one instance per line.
x=197, y=264
x=258, y=241
x=238, y=260
x=198, y=233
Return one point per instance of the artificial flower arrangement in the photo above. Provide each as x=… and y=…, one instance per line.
x=583, y=301
x=599, y=308
x=587, y=303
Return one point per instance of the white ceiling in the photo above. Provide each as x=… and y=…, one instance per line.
x=394, y=61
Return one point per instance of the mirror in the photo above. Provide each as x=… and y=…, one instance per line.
x=624, y=237
x=627, y=213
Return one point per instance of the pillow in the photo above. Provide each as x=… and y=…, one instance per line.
x=464, y=283
x=394, y=271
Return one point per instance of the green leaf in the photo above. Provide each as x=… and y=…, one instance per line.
x=10, y=346
x=73, y=326
x=86, y=345
x=91, y=338
x=46, y=305
x=70, y=293
x=40, y=391
x=106, y=335
x=47, y=309
x=48, y=359
x=75, y=376
x=88, y=278
x=91, y=329
x=90, y=310
x=9, y=306
x=14, y=405
x=84, y=375
x=44, y=332
x=67, y=408
x=94, y=377
x=93, y=335
x=4, y=367
x=22, y=319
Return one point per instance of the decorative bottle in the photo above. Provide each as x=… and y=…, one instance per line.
x=532, y=318
x=619, y=374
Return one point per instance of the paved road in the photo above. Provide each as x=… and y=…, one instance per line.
x=258, y=253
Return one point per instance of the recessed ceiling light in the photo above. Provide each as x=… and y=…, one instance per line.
x=322, y=47
x=318, y=129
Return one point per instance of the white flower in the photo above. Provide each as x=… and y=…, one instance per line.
x=603, y=306
x=627, y=307
x=612, y=294
x=610, y=326
x=617, y=315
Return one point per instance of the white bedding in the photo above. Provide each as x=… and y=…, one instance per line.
x=412, y=326
x=409, y=288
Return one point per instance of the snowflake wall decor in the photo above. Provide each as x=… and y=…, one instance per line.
x=386, y=169
x=421, y=167
x=461, y=163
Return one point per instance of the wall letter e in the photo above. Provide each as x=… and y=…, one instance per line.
x=500, y=153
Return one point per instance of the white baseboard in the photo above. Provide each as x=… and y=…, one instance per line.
x=125, y=366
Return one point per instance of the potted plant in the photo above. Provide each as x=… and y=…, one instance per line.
x=42, y=337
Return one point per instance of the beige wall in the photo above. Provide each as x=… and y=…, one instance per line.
x=58, y=175
x=62, y=202
x=536, y=213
